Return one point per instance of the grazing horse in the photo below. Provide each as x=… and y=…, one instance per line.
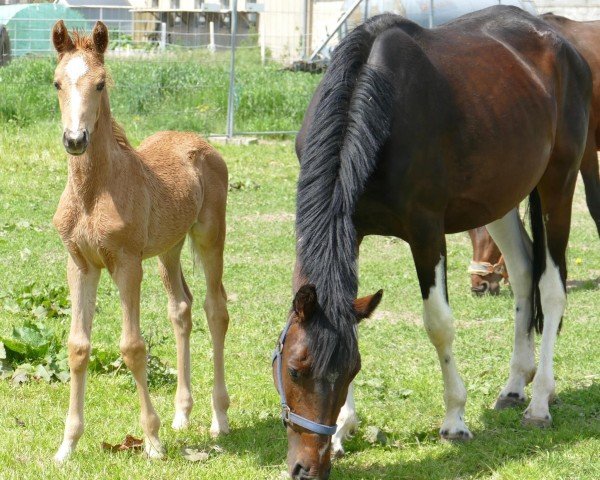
x=585, y=37
x=416, y=133
x=121, y=206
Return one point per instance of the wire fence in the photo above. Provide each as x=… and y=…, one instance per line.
x=213, y=70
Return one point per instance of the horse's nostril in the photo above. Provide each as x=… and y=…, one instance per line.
x=299, y=472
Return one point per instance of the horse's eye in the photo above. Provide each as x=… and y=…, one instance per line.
x=57, y=85
x=293, y=373
x=100, y=86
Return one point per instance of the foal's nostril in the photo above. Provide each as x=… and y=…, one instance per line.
x=75, y=142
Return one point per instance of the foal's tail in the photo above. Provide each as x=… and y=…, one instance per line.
x=539, y=259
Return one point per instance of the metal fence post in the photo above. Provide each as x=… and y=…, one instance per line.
x=430, y=13
x=163, y=35
x=231, y=98
x=366, y=11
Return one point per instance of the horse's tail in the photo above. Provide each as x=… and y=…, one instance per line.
x=539, y=259
x=351, y=122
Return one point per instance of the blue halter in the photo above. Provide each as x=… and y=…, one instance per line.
x=289, y=417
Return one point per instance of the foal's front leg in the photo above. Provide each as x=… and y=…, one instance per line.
x=83, y=283
x=430, y=260
x=128, y=278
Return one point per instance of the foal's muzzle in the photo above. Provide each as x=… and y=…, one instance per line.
x=76, y=142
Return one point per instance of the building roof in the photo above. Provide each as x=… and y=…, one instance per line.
x=96, y=3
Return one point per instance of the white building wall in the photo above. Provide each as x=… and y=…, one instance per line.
x=574, y=9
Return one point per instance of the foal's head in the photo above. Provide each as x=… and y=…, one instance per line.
x=79, y=78
x=313, y=391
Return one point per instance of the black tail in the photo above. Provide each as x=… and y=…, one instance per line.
x=351, y=123
x=539, y=259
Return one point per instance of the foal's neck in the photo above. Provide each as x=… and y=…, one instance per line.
x=90, y=172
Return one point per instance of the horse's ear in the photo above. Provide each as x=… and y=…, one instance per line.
x=61, y=39
x=305, y=302
x=100, y=37
x=364, y=307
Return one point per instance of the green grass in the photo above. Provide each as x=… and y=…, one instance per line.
x=183, y=91
x=398, y=390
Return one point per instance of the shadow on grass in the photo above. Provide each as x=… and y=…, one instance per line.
x=576, y=417
x=582, y=285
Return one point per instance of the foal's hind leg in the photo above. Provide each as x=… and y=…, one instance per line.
x=429, y=253
x=591, y=180
x=515, y=245
x=208, y=236
x=180, y=314
x=347, y=423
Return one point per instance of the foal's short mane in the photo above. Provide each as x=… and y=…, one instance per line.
x=351, y=123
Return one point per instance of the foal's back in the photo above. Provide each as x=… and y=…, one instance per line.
x=185, y=176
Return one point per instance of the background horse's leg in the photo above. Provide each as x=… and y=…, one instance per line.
x=347, y=423
x=591, y=179
x=515, y=244
x=180, y=313
x=128, y=278
x=208, y=237
x=429, y=253
x=83, y=287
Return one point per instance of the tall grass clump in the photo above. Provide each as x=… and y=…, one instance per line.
x=180, y=91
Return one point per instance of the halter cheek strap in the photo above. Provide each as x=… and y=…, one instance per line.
x=287, y=416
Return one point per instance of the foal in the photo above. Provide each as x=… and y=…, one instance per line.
x=121, y=206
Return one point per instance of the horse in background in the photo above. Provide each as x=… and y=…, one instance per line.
x=121, y=206
x=487, y=268
x=416, y=133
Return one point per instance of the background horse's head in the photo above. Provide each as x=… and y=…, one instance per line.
x=312, y=396
x=79, y=78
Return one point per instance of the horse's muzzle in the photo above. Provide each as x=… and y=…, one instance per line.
x=77, y=142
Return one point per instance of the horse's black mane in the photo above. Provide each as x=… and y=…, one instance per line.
x=351, y=123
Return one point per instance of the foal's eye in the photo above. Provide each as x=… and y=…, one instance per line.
x=57, y=85
x=293, y=373
x=100, y=86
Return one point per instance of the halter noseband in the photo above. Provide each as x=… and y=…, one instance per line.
x=287, y=416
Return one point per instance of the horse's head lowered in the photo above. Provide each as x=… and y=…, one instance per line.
x=79, y=78
x=311, y=399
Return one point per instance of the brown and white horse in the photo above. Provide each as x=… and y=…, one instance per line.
x=417, y=133
x=487, y=267
x=121, y=206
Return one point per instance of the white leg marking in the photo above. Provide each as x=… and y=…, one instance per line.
x=554, y=300
x=75, y=69
x=347, y=423
x=515, y=245
x=438, y=323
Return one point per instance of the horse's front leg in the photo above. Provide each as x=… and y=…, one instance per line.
x=127, y=275
x=83, y=283
x=429, y=253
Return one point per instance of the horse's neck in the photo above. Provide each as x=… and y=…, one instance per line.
x=90, y=173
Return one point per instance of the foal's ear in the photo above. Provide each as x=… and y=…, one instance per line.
x=100, y=37
x=61, y=39
x=364, y=307
x=305, y=302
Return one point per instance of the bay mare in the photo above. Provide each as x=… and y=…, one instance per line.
x=121, y=206
x=416, y=133
x=487, y=268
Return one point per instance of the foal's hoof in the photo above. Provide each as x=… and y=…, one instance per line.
x=219, y=426
x=338, y=451
x=63, y=454
x=154, y=450
x=538, y=422
x=509, y=401
x=180, y=421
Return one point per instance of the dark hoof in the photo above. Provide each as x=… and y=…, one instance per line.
x=338, y=453
x=512, y=400
x=536, y=422
x=458, y=436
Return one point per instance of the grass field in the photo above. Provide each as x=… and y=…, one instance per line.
x=399, y=389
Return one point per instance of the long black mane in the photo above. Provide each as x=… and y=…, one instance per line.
x=349, y=125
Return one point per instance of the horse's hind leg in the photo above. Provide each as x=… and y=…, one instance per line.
x=515, y=245
x=208, y=237
x=82, y=287
x=429, y=253
x=347, y=423
x=591, y=180
x=179, y=311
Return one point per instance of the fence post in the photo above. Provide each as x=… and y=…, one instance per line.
x=163, y=35
x=263, y=42
x=366, y=11
x=211, y=34
x=231, y=98
x=430, y=13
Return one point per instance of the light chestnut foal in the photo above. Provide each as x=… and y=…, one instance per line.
x=121, y=206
